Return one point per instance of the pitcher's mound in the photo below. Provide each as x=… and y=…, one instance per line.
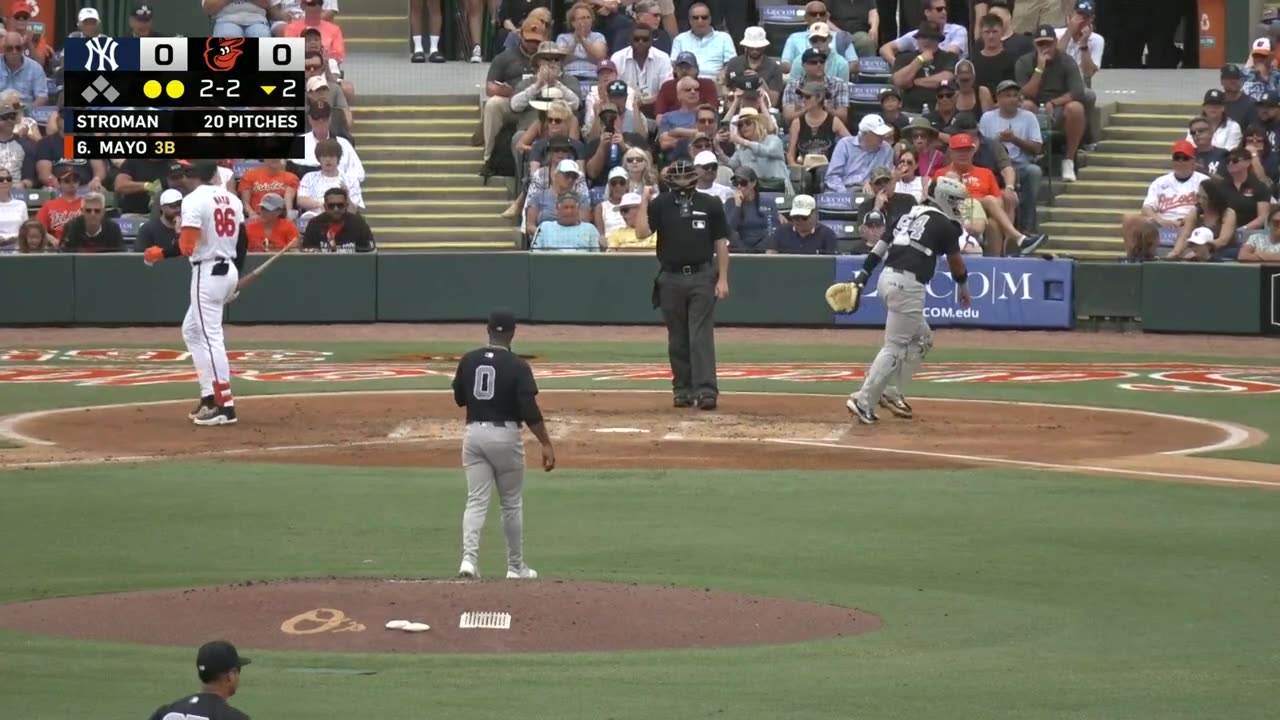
x=349, y=615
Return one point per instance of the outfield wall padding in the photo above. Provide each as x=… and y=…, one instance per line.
x=1111, y=290
x=37, y=290
x=119, y=289
x=1201, y=298
x=309, y=288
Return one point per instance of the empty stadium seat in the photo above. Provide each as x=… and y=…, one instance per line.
x=129, y=225
x=874, y=70
x=779, y=22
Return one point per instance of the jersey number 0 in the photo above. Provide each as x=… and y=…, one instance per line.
x=224, y=222
x=486, y=379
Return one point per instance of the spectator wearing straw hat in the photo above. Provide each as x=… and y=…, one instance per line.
x=754, y=62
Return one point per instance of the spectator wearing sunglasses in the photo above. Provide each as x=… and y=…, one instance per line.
x=711, y=47
x=338, y=229
x=815, y=14
x=1247, y=194
x=751, y=221
x=1210, y=159
x=22, y=74
x=17, y=154
x=708, y=166
x=835, y=66
x=13, y=213
x=1170, y=200
x=919, y=73
x=1264, y=161
x=93, y=231
x=835, y=92
x=58, y=211
x=162, y=231
x=608, y=214
x=643, y=67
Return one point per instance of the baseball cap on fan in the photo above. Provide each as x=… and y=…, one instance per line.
x=876, y=125
x=87, y=14
x=171, y=197
x=502, y=320
x=1261, y=46
x=142, y=11
x=218, y=657
x=272, y=202
x=803, y=206
x=1201, y=236
x=319, y=82
x=21, y=9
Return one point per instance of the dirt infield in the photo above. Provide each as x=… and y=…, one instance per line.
x=616, y=430
x=349, y=615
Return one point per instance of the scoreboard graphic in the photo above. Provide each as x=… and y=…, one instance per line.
x=184, y=98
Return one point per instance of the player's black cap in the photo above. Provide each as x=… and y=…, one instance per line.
x=205, y=169
x=502, y=321
x=218, y=657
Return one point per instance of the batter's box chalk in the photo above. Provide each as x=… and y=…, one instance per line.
x=485, y=620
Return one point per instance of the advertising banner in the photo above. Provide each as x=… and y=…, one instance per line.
x=1007, y=293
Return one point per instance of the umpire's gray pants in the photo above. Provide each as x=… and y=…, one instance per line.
x=907, y=337
x=688, y=304
x=493, y=455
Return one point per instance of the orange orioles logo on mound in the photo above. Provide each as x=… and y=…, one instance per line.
x=220, y=54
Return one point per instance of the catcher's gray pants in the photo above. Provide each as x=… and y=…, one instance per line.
x=907, y=337
x=688, y=304
x=493, y=455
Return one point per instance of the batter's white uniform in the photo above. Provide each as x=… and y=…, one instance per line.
x=218, y=215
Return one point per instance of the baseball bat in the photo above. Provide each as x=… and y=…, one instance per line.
x=252, y=277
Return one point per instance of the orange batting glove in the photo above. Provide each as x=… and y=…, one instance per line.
x=152, y=255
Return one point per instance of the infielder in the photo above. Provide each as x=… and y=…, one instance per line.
x=910, y=259
x=496, y=387
x=211, y=238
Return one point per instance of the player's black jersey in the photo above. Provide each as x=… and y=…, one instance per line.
x=496, y=385
x=919, y=238
x=200, y=706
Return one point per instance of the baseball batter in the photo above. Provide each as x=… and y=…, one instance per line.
x=496, y=387
x=910, y=259
x=212, y=240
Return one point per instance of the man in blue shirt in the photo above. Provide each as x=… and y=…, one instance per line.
x=797, y=42
x=837, y=66
x=567, y=231
x=855, y=156
x=22, y=74
x=1019, y=130
x=955, y=39
x=712, y=47
x=804, y=235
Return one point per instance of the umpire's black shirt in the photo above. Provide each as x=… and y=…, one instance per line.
x=496, y=385
x=691, y=239
x=205, y=705
x=933, y=231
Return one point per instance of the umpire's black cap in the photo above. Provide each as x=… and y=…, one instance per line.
x=216, y=658
x=502, y=321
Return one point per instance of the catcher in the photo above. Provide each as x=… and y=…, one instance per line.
x=910, y=259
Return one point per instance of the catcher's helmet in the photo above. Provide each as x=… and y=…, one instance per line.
x=948, y=194
x=681, y=173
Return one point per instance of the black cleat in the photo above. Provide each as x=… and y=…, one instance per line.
x=682, y=401
x=707, y=402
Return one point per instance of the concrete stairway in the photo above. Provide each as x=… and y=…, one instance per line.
x=1137, y=140
x=421, y=188
x=375, y=25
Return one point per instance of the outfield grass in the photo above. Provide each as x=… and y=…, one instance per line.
x=1005, y=593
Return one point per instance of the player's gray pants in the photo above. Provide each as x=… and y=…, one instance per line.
x=688, y=305
x=907, y=338
x=493, y=455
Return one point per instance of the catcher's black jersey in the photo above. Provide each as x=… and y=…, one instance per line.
x=496, y=385
x=200, y=706
x=919, y=238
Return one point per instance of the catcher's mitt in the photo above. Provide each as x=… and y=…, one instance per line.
x=844, y=297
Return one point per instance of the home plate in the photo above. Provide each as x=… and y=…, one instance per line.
x=619, y=430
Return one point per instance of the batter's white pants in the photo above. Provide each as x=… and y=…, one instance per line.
x=202, y=328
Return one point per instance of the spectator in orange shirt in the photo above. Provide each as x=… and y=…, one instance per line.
x=269, y=177
x=330, y=34
x=57, y=212
x=985, y=191
x=37, y=48
x=270, y=231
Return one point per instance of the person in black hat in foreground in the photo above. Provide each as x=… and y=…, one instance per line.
x=496, y=387
x=218, y=666
x=693, y=259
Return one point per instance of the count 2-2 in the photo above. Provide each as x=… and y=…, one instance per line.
x=208, y=88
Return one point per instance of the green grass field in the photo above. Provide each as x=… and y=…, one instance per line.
x=1004, y=593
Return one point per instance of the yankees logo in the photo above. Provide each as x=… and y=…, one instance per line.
x=104, y=50
x=220, y=54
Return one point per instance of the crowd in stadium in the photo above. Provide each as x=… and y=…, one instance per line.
x=585, y=110
x=49, y=203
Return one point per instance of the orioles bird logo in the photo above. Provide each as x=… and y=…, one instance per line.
x=220, y=54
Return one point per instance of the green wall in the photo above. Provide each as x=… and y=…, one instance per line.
x=595, y=289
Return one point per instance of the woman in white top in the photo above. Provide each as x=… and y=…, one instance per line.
x=1226, y=132
x=640, y=171
x=313, y=185
x=608, y=214
x=909, y=182
x=13, y=213
x=585, y=47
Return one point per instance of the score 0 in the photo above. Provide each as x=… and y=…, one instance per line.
x=159, y=54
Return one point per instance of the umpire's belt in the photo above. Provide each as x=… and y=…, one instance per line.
x=490, y=423
x=686, y=269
